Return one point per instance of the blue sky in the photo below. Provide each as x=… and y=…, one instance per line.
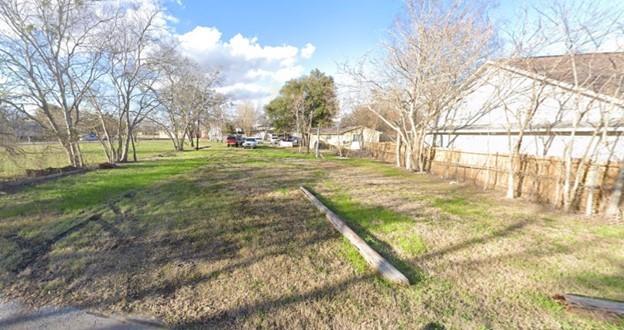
x=258, y=45
x=338, y=29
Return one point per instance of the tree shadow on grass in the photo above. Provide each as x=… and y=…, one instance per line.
x=231, y=317
x=506, y=231
x=169, y=226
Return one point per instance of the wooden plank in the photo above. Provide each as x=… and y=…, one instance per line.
x=596, y=304
x=374, y=259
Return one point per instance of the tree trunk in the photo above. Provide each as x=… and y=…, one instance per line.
x=123, y=155
x=68, y=152
x=397, y=150
x=511, y=177
x=409, y=156
x=586, y=161
x=590, y=186
x=318, y=141
x=487, y=171
x=190, y=137
x=421, y=152
x=134, y=154
x=567, y=175
x=75, y=158
x=514, y=158
x=197, y=134
x=613, y=208
x=126, y=147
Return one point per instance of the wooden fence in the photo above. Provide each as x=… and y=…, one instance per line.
x=538, y=178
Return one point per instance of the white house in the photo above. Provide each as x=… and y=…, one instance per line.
x=585, y=106
x=352, y=138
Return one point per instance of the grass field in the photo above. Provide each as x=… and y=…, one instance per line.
x=38, y=156
x=223, y=238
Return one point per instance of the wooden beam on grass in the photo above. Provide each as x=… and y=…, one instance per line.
x=374, y=259
x=590, y=303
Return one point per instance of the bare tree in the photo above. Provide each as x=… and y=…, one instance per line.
x=583, y=90
x=127, y=94
x=185, y=94
x=426, y=67
x=520, y=99
x=246, y=117
x=49, y=61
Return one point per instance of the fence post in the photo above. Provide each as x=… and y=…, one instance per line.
x=613, y=206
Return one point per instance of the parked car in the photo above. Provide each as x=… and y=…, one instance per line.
x=89, y=137
x=232, y=141
x=250, y=143
x=286, y=143
x=289, y=142
x=275, y=140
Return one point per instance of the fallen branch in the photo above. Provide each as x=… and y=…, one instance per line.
x=379, y=263
x=596, y=304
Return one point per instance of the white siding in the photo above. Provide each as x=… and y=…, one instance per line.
x=559, y=108
x=534, y=145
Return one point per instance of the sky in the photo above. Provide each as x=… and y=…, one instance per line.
x=259, y=45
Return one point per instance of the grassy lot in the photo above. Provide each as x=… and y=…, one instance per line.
x=222, y=237
x=38, y=156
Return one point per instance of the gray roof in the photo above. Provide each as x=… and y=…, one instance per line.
x=339, y=131
x=599, y=72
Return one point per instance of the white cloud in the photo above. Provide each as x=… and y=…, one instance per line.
x=200, y=40
x=251, y=71
x=307, y=51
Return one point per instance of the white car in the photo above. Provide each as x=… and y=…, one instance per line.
x=286, y=143
x=250, y=143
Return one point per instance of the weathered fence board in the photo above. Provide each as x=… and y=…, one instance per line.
x=540, y=178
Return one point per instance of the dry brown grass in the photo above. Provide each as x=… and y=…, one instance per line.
x=230, y=242
x=501, y=259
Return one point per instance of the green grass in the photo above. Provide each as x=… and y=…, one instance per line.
x=38, y=156
x=92, y=188
x=376, y=220
x=352, y=255
x=545, y=302
x=383, y=229
x=610, y=231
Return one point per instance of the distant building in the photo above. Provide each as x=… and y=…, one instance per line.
x=352, y=138
x=29, y=131
x=214, y=133
x=262, y=132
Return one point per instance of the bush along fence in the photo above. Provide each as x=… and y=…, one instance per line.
x=540, y=179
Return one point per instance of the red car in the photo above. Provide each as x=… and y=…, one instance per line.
x=232, y=141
